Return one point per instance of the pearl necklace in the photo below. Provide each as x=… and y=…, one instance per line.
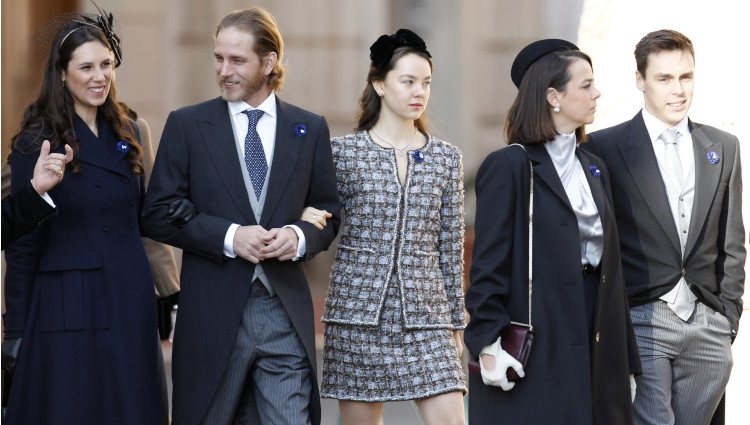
x=399, y=151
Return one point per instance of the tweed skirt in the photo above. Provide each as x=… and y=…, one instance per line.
x=387, y=362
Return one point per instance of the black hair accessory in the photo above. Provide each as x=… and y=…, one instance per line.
x=105, y=22
x=533, y=52
x=382, y=49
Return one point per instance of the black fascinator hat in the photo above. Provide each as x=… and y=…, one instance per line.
x=102, y=20
x=382, y=49
x=533, y=52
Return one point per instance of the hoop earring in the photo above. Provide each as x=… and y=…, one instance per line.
x=556, y=109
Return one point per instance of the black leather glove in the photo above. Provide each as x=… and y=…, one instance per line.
x=181, y=212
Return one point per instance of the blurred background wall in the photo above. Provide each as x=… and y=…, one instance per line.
x=167, y=64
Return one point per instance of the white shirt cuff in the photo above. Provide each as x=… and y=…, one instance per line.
x=229, y=241
x=45, y=196
x=301, y=243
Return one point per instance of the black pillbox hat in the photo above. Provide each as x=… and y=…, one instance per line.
x=534, y=51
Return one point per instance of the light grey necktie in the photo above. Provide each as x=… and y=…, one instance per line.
x=670, y=137
x=683, y=304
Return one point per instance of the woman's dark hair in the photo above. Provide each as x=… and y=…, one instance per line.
x=50, y=116
x=370, y=102
x=529, y=119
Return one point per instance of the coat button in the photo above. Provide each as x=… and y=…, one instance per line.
x=106, y=229
x=104, y=207
x=124, y=179
x=131, y=202
x=597, y=337
x=604, y=278
x=132, y=225
x=98, y=183
x=684, y=272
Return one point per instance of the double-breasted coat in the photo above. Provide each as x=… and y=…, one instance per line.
x=78, y=290
x=572, y=376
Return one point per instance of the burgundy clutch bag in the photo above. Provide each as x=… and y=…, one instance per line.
x=516, y=340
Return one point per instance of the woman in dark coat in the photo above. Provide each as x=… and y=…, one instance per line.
x=584, y=352
x=78, y=289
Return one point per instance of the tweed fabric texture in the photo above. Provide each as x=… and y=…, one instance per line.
x=415, y=230
x=388, y=362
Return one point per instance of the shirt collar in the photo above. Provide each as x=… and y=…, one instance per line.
x=268, y=106
x=656, y=127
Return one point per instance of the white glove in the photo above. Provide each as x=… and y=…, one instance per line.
x=632, y=388
x=498, y=376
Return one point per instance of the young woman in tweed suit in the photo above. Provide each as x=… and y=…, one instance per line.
x=395, y=310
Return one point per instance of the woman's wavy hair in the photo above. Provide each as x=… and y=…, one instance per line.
x=369, y=103
x=50, y=116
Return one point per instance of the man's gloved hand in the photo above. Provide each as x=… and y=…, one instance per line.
x=181, y=212
x=499, y=361
x=632, y=388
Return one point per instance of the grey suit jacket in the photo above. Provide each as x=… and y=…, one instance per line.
x=714, y=259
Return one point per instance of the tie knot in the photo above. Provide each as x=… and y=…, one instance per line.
x=253, y=115
x=670, y=136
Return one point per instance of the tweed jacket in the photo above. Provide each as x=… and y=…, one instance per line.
x=415, y=230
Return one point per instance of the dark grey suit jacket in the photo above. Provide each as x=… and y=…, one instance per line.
x=197, y=160
x=714, y=259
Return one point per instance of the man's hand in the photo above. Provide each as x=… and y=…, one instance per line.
x=282, y=244
x=248, y=242
x=49, y=168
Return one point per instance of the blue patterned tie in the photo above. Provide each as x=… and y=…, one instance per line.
x=255, y=158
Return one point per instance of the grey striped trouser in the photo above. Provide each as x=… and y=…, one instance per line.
x=686, y=364
x=268, y=378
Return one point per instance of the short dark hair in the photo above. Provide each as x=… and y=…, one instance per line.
x=529, y=119
x=262, y=26
x=659, y=41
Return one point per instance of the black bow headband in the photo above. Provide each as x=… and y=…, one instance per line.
x=382, y=49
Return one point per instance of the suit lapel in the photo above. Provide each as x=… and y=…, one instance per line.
x=707, y=178
x=544, y=168
x=218, y=136
x=286, y=151
x=638, y=155
x=595, y=183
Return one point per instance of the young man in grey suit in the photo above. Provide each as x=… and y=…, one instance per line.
x=246, y=164
x=677, y=195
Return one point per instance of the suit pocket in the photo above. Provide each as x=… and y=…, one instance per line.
x=73, y=293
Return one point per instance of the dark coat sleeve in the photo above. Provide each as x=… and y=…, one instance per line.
x=22, y=256
x=169, y=182
x=23, y=211
x=497, y=190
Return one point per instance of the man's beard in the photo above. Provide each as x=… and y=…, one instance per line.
x=243, y=92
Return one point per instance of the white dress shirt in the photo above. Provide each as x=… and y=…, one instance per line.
x=562, y=150
x=680, y=196
x=266, y=129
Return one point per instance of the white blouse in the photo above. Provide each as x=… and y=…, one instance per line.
x=562, y=150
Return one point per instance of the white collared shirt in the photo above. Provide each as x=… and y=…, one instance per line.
x=266, y=129
x=680, y=197
x=562, y=150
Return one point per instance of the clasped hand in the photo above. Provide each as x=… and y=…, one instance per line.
x=255, y=244
x=494, y=363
